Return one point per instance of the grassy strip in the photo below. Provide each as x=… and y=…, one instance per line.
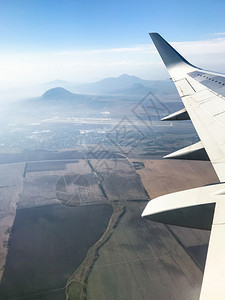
x=77, y=283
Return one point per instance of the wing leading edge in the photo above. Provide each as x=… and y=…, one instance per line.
x=203, y=95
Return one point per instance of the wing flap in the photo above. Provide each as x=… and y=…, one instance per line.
x=190, y=208
x=178, y=115
x=192, y=152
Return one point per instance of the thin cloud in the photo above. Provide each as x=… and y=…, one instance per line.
x=211, y=46
x=139, y=49
x=214, y=45
x=218, y=34
x=92, y=65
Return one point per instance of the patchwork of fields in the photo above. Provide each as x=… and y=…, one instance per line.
x=55, y=219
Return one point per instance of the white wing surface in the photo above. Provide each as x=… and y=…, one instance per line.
x=203, y=95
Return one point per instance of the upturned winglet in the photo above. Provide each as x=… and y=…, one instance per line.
x=168, y=54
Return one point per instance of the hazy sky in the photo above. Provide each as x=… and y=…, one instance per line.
x=43, y=40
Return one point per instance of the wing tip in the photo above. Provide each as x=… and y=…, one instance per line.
x=168, y=54
x=154, y=34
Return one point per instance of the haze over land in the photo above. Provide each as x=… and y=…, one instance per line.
x=71, y=147
x=66, y=116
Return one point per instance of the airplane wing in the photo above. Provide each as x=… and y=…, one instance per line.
x=203, y=95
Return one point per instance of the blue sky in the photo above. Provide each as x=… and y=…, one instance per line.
x=32, y=32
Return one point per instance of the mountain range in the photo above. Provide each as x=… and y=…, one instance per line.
x=114, y=96
x=122, y=85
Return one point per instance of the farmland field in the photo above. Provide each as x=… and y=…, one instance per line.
x=81, y=220
x=119, y=180
x=47, y=244
x=11, y=186
x=147, y=260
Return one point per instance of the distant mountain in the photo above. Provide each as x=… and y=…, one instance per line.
x=64, y=100
x=126, y=85
x=134, y=89
x=114, y=83
x=59, y=83
x=58, y=93
x=61, y=96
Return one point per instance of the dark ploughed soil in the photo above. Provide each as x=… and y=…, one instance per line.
x=47, y=244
